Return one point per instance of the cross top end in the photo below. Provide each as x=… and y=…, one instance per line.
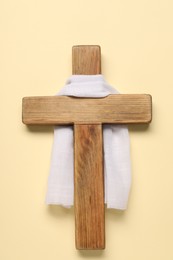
x=86, y=60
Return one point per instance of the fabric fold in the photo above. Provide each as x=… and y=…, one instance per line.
x=117, y=169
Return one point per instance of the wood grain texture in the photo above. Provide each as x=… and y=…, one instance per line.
x=88, y=173
x=86, y=60
x=62, y=110
x=89, y=187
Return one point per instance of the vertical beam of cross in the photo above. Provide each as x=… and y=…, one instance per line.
x=88, y=169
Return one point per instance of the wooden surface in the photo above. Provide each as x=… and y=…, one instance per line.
x=88, y=173
x=89, y=187
x=86, y=60
x=62, y=110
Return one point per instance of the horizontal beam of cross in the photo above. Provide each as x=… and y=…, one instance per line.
x=62, y=110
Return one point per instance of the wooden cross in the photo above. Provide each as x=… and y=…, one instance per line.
x=87, y=115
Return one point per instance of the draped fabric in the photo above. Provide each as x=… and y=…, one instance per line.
x=117, y=170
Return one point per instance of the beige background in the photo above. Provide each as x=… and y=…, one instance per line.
x=36, y=37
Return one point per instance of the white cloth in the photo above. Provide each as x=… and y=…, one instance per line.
x=117, y=170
